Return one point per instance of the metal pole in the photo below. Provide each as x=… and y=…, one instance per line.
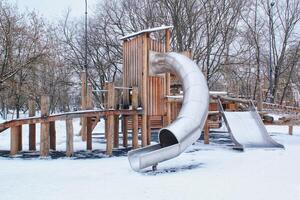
x=86, y=45
x=271, y=97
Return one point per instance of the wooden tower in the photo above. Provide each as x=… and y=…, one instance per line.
x=152, y=89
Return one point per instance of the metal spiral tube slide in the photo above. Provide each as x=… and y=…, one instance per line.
x=187, y=127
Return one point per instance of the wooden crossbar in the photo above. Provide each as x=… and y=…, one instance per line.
x=68, y=115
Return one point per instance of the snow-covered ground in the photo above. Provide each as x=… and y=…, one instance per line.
x=203, y=172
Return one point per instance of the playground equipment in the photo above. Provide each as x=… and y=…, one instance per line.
x=153, y=82
x=187, y=127
x=246, y=128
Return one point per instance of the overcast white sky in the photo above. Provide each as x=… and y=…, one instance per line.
x=54, y=9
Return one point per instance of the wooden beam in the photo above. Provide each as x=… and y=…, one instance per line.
x=83, y=104
x=168, y=40
x=105, y=127
x=70, y=138
x=135, y=119
x=206, y=132
x=116, y=132
x=68, y=115
x=290, y=130
x=110, y=132
x=238, y=100
x=168, y=77
x=20, y=138
x=89, y=130
x=110, y=118
x=145, y=88
x=149, y=131
x=32, y=127
x=89, y=101
x=44, y=138
x=125, y=131
x=89, y=120
x=52, y=135
x=14, y=140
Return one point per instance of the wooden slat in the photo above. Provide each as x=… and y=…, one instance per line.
x=110, y=123
x=109, y=137
x=70, y=138
x=83, y=104
x=89, y=125
x=206, y=133
x=135, y=143
x=32, y=127
x=44, y=138
x=145, y=89
x=149, y=131
x=20, y=138
x=14, y=138
x=125, y=131
x=116, y=132
x=52, y=135
x=290, y=130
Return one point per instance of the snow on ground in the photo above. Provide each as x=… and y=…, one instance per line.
x=210, y=172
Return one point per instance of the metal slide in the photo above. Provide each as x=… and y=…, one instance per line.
x=247, y=130
x=187, y=127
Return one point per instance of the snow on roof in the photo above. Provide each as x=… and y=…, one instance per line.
x=146, y=31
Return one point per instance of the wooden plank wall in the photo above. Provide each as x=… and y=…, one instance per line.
x=132, y=66
x=156, y=122
x=156, y=101
x=132, y=74
x=175, y=108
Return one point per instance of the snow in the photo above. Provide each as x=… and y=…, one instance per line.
x=146, y=31
x=210, y=172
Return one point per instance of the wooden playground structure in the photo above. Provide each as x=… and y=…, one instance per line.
x=148, y=102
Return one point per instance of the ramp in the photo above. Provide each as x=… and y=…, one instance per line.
x=247, y=130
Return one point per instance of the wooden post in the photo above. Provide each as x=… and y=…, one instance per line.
x=89, y=133
x=149, y=132
x=14, y=140
x=206, y=132
x=168, y=77
x=109, y=139
x=145, y=89
x=52, y=135
x=105, y=127
x=116, y=132
x=20, y=139
x=110, y=118
x=44, y=142
x=135, y=119
x=32, y=127
x=125, y=131
x=83, y=104
x=70, y=137
x=290, y=130
x=89, y=101
x=89, y=121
